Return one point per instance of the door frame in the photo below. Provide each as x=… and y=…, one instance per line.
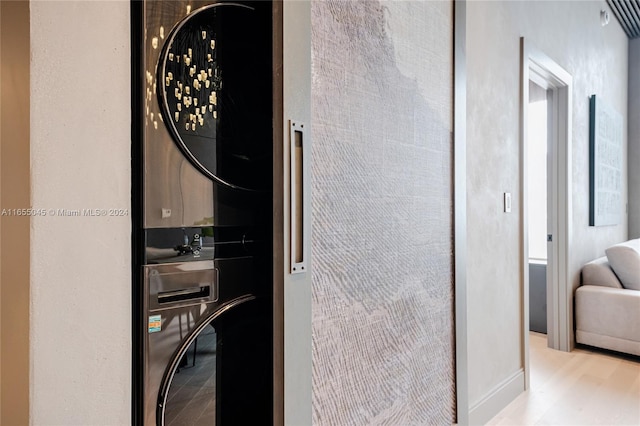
x=539, y=68
x=292, y=340
x=460, y=210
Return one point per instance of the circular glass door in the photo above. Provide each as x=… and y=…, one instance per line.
x=192, y=396
x=222, y=372
x=215, y=90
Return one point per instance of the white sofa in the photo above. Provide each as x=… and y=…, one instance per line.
x=607, y=304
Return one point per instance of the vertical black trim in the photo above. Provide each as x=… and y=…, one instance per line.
x=592, y=161
x=277, y=228
x=137, y=235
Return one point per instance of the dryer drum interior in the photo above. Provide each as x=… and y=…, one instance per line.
x=215, y=91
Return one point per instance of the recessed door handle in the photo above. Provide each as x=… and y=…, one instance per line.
x=299, y=197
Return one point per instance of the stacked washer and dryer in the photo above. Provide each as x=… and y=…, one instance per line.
x=203, y=329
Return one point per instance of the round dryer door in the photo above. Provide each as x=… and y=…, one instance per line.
x=215, y=92
x=222, y=372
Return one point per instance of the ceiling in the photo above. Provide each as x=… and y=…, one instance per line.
x=628, y=14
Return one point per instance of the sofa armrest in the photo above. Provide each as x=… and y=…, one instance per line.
x=599, y=273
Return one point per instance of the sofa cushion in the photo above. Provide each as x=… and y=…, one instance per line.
x=598, y=272
x=624, y=259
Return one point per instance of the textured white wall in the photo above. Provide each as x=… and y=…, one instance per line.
x=80, y=158
x=596, y=57
x=382, y=212
x=634, y=138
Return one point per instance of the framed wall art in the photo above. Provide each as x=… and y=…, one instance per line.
x=605, y=163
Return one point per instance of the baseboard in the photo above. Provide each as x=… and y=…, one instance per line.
x=497, y=399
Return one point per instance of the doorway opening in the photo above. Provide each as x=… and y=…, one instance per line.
x=545, y=174
x=538, y=158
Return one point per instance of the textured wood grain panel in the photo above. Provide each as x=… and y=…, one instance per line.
x=382, y=212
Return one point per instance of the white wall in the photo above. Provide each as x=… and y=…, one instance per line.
x=81, y=266
x=596, y=57
x=634, y=138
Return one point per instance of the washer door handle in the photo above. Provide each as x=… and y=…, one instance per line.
x=190, y=293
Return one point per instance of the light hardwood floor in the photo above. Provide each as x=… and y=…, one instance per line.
x=583, y=387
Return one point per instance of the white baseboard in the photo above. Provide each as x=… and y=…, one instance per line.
x=483, y=411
